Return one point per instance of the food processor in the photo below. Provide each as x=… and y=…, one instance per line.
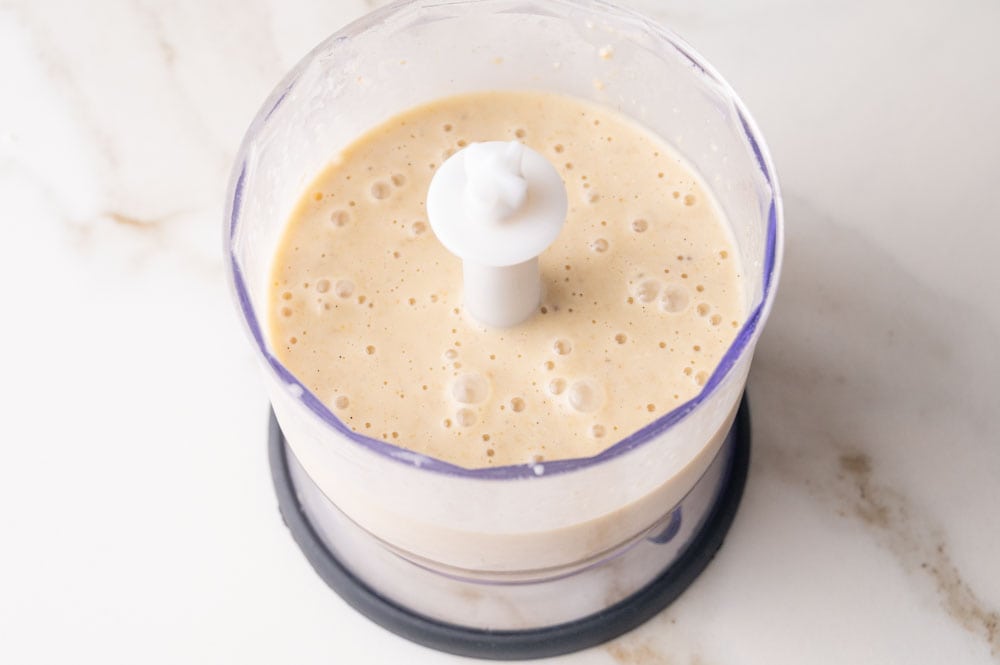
x=541, y=558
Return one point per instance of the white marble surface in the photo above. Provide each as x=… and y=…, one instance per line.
x=137, y=518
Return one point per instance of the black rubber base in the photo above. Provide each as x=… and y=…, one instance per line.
x=524, y=644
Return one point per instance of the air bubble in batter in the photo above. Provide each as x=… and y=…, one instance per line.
x=599, y=245
x=465, y=417
x=340, y=218
x=647, y=290
x=674, y=299
x=586, y=396
x=343, y=288
x=470, y=388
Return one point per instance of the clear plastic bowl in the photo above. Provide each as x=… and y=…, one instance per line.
x=525, y=524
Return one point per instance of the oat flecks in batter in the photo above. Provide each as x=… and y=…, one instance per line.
x=642, y=289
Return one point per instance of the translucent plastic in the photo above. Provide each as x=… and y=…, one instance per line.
x=529, y=521
x=517, y=602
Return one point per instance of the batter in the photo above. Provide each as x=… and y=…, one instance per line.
x=642, y=289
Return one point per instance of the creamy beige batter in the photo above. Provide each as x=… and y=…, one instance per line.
x=642, y=297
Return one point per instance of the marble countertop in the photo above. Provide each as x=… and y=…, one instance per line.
x=137, y=515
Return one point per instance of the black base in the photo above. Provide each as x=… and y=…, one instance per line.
x=522, y=644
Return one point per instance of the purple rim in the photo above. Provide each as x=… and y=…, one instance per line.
x=750, y=328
